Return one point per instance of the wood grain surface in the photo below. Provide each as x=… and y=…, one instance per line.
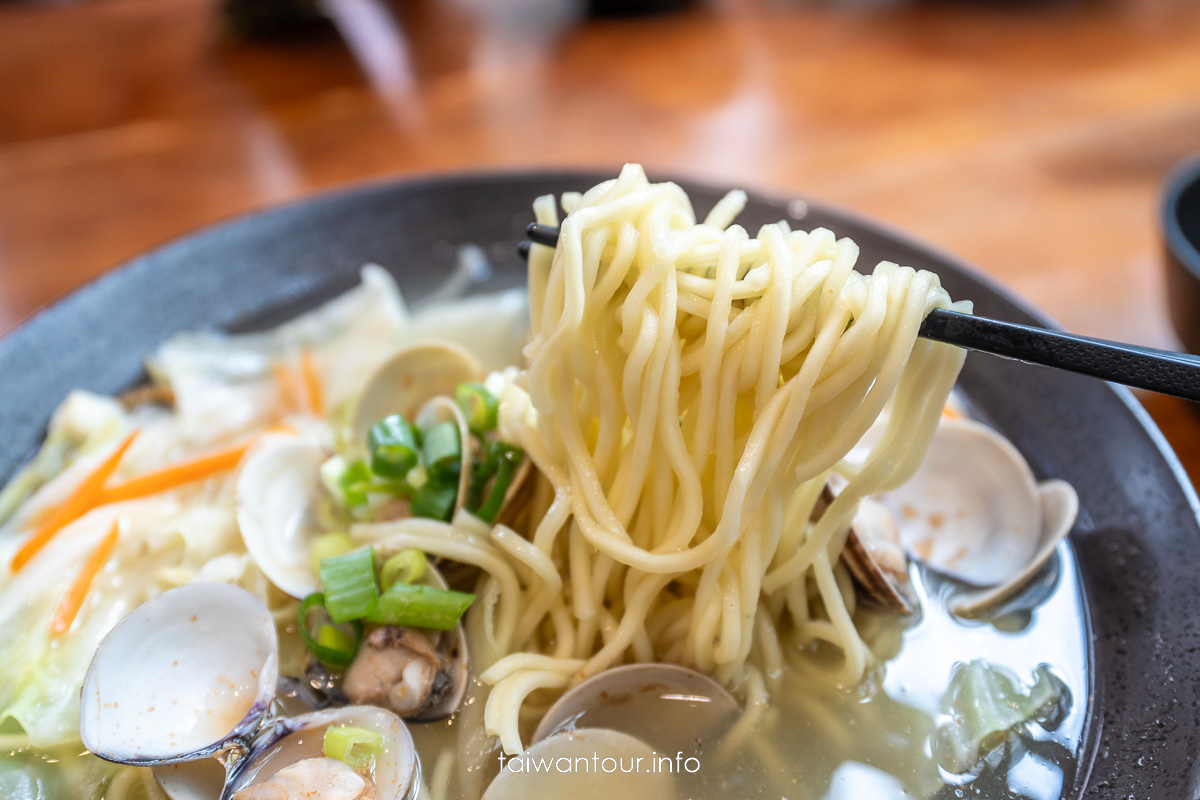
x=1030, y=138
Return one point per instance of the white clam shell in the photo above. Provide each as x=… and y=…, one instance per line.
x=601, y=780
x=683, y=705
x=184, y=673
x=1059, y=506
x=191, y=780
x=397, y=772
x=972, y=509
x=276, y=488
x=408, y=379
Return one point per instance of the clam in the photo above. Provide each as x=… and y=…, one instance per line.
x=407, y=380
x=1059, y=507
x=418, y=383
x=673, y=708
x=422, y=675
x=179, y=678
x=191, y=780
x=276, y=492
x=975, y=512
x=595, y=779
x=190, y=675
x=290, y=754
x=876, y=558
x=873, y=552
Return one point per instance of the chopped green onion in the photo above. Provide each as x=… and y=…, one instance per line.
x=442, y=451
x=483, y=472
x=510, y=457
x=420, y=607
x=332, y=646
x=355, y=747
x=434, y=500
x=407, y=566
x=392, y=443
x=335, y=639
x=328, y=546
x=478, y=404
x=349, y=584
x=356, y=482
x=416, y=477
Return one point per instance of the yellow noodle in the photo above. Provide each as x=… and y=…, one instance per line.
x=689, y=389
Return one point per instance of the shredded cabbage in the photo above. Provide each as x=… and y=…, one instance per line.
x=987, y=702
x=225, y=390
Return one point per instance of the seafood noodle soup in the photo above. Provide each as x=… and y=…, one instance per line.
x=693, y=515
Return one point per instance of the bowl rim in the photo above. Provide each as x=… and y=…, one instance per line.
x=1183, y=176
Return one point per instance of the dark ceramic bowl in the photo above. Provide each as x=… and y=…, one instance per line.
x=1181, y=237
x=1137, y=539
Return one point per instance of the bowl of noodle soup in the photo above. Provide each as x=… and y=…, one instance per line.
x=1110, y=617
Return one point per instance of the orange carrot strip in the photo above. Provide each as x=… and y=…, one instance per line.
x=312, y=385
x=72, y=602
x=41, y=515
x=175, y=475
x=82, y=500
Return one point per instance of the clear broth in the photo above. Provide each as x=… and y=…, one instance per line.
x=820, y=741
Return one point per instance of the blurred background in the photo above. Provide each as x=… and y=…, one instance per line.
x=1031, y=138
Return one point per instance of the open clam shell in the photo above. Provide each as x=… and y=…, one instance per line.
x=191, y=780
x=395, y=774
x=408, y=379
x=876, y=559
x=180, y=677
x=873, y=552
x=1059, y=507
x=276, y=490
x=974, y=511
x=673, y=707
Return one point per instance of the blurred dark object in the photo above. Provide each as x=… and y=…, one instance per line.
x=274, y=20
x=1181, y=236
x=634, y=8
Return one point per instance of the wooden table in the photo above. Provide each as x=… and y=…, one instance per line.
x=1029, y=138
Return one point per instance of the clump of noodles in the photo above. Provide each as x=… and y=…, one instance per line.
x=688, y=392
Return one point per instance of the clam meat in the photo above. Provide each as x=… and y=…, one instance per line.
x=318, y=776
x=287, y=761
x=418, y=673
x=399, y=668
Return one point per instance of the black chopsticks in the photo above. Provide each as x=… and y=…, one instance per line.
x=1160, y=371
